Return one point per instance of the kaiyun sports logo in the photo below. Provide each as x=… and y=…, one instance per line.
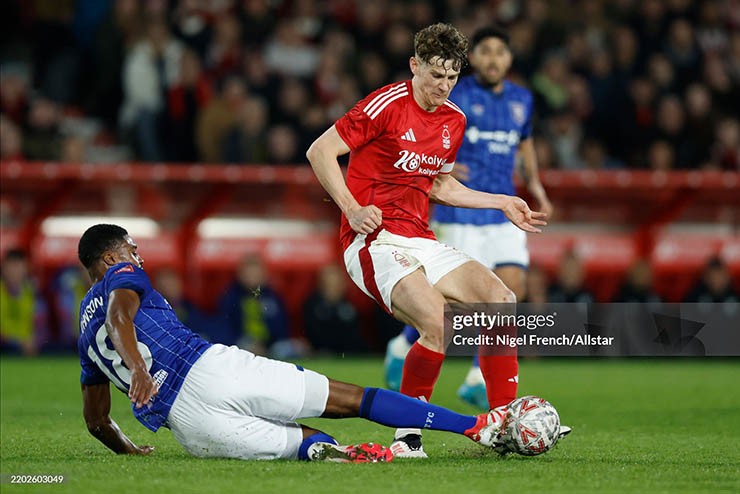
x=410, y=161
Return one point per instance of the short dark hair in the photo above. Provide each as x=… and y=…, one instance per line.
x=443, y=41
x=489, y=32
x=97, y=240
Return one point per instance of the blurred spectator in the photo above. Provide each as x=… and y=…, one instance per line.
x=710, y=33
x=569, y=287
x=74, y=150
x=662, y=74
x=330, y=321
x=14, y=92
x=187, y=96
x=714, y=286
x=637, y=120
x=287, y=52
x=638, y=287
x=700, y=123
x=546, y=157
x=594, y=156
x=661, y=156
x=150, y=68
x=683, y=51
x=670, y=126
x=258, y=21
x=549, y=84
x=282, y=146
x=247, y=141
x=253, y=313
x=116, y=33
x=190, y=24
x=565, y=134
x=69, y=287
x=23, y=315
x=217, y=119
x=169, y=283
x=726, y=148
x=41, y=138
x=224, y=53
x=11, y=140
x=725, y=92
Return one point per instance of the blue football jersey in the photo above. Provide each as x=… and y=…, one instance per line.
x=497, y=123
x=168, y=347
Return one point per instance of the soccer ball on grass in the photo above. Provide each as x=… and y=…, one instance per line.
x=531, y=426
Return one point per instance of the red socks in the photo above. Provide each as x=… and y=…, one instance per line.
x=420, y=372
x=500, y=370
x=501, y=374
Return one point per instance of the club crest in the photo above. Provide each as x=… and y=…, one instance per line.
x=518, y=113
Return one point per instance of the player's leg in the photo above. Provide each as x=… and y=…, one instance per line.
x=473, y=388
x=396, y=410
x=474, y=283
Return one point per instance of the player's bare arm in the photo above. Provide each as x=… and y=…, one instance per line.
x=119, y=322
x=323, y=155
x=96, y=410
x=449, y=191
x=531, y=177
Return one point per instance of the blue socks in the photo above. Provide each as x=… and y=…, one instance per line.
x=396, y=410
x=319, y=437
x=410, y=334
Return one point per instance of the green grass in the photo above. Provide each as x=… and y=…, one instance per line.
x=639, y=426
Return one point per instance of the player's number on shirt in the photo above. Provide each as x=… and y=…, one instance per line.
x=114, y=367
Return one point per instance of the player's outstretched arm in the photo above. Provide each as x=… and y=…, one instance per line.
x=119, y=322
x=323, y=155
x=96, y=410
x=530, y=175
x=450, y=192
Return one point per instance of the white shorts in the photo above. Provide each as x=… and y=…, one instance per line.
x=493, y=246
x=234, y=404
x=377, y=267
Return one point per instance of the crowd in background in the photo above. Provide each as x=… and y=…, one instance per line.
x=651, y=84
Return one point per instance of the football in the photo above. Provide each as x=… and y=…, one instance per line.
x=531, y=427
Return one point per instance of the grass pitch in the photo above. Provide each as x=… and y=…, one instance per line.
x=639, y=426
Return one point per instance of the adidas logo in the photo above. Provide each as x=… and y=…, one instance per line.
x=409, y=136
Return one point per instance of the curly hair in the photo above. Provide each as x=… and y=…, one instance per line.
x=443, y=41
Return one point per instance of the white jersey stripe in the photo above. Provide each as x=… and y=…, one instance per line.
x=455, y=107
x=379, y=98
x=413, y=137
x=386, y=103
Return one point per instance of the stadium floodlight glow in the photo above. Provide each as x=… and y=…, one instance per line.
x=258, y=228
x=75, y=226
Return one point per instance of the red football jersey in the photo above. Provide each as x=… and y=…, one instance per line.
x=397, y=150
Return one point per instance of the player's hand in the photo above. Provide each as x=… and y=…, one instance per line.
x=461, y=172
x=519, y=213
x=142, y=388
x=365, y=219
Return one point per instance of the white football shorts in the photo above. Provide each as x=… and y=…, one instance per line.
x=377, y=266
x=234, y=404
x=493, y=246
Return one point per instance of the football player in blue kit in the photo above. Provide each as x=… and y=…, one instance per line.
x=219, y=401
x=498, y=129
